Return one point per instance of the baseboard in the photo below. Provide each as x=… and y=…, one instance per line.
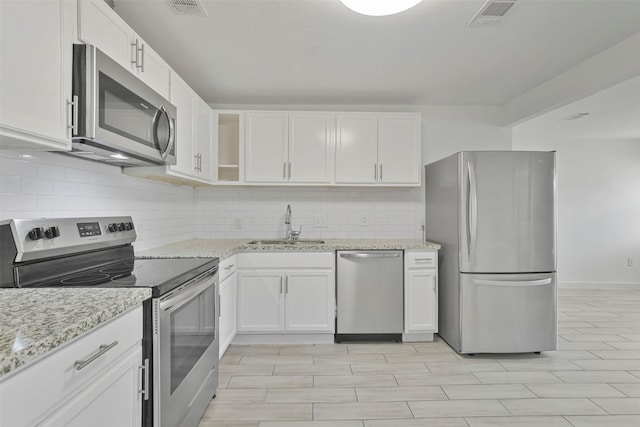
x=599, y=285
x=309, y=338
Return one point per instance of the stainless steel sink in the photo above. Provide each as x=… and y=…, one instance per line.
x=286, y=242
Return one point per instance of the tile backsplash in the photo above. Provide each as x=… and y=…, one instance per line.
x=235, y=212
x=43, y=184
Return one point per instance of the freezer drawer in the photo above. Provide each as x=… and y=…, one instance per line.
x=507, y=313
x=370, y=292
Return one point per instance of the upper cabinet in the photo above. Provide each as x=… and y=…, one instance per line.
x=285, y=147
x=230, y=132
x=36, y=40
x=378, y=149
x=102, y=27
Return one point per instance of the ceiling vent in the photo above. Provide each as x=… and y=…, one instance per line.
x=492, y=12
x=187, y=7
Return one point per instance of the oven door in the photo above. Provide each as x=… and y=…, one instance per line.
x=186, y=351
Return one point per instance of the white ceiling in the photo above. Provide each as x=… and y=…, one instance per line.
x=317, y=52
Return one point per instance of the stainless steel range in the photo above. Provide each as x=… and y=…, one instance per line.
x=180, y=345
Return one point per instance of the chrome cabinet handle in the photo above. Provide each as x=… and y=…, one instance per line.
x=142, y=58
x=423, y=260
x=135, y=60
x=81, y=364
x=284, y=170
x=73, y=114
x=286, y=284
x=289, y=170
x=375, y=172
x=280, y=284
x=229, y=267
x=380, y=171
x=145, y=387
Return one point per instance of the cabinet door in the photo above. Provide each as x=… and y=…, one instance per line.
x=203, y=141
x=154, y=71
x=183, y=97
x=94, y=405
x=399, y=143
x=36, y=43
x=310, y=147
x=356, y=148
x=309, y=301
x=102, y=27
x=266, y=147
x=420, y=300
x=260, y=300
x=228, y=311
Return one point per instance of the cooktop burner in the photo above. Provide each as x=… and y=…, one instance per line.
x=160, y=274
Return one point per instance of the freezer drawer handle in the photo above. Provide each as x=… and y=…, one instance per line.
x=540, y=282
x=395, y=255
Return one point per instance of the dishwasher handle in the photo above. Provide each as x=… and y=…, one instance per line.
x=370, y=255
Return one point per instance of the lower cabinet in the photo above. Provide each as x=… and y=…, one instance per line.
x=228, y=302
x=106, y=391
x=286, y=292
x=420, y=295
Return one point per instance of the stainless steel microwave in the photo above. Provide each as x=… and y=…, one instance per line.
x=118, y=119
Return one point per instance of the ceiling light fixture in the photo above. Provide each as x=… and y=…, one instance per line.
x=379, y=7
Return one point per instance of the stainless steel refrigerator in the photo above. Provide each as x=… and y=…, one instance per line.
x=494, y=213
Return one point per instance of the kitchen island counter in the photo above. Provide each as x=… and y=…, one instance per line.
x=223, y=248
x=34, y=322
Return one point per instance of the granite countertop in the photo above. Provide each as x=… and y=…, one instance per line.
x=223, y=248
x=34, y=322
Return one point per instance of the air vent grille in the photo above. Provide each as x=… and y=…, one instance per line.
x=187, y=7
x=491, y=12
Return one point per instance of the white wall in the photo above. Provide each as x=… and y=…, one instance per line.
x=598, y=207
x=54, y=185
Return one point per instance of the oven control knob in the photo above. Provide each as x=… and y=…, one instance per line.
x=112, y=227
x=36, y=233
x=120, y=226
x=131, y=227
x=128, y=226
x=52, y=232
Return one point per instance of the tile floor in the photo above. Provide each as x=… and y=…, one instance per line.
x=592, y=380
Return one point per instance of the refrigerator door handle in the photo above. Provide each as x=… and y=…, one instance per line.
x=540, y=282
x=472, y=211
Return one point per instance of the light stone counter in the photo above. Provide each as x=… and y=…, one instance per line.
x=223, y=248
x=34, y=322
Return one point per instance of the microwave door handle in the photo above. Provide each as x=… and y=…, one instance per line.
x=172, y=131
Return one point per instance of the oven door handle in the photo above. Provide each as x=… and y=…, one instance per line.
x=189, y=291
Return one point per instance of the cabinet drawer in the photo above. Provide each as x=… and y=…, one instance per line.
x=286, y=260
x=227, y=267
x=50, y=381
x=421, y=259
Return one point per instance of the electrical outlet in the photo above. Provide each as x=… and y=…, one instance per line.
x=238, y=223
x=364, y=221
x=630, y=262
x=321, y=220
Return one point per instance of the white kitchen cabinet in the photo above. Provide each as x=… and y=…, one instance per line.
x=288, y=147
x=420, y=295
x=378, y=148
x=100, y=26
x=230, y=146
x=105, y=392
x=286, y=292
x=228, y=302
x=36, y=41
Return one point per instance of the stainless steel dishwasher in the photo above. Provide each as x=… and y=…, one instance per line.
x=369, y=295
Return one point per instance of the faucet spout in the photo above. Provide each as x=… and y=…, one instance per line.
x=287, y=221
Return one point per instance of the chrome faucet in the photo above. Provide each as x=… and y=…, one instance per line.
x=290, y=234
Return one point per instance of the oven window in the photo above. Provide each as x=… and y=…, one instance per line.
x=125, y=113
x=192, y=332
